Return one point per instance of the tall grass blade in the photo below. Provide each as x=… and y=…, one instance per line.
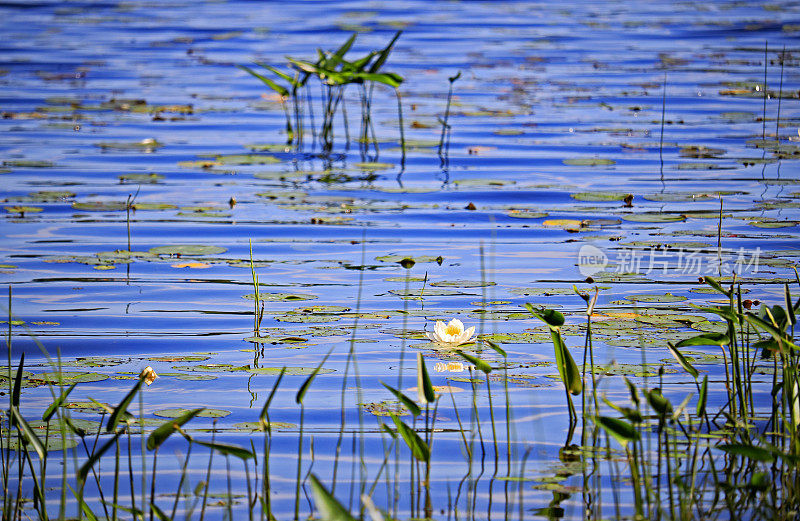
x=227, y=449
x=705, y=339
x=96, y=455
x=748, y=451
x=407, y=402
x=425, y=392
x=16, y=392
x=28, y=433
x=621, y=431
x=53, y=407
x=477, y=362
x=122, y=408
x=265, y=409
x=418, y=447
x=550, y=317
x=160, y=435
x=301, y=393
x=281, y=90
x=702, y=398
x=329, y=508
x=682, y=361
x=384, y=53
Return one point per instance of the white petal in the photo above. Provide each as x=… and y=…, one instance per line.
x=431, y=336
x=467, y=335
x=457, y=323
x=439, y=328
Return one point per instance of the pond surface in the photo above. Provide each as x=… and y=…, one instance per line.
x=140, y=167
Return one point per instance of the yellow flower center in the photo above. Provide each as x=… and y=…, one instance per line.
x=452, y=330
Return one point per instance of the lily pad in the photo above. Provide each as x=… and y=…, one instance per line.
x=51, y=444
x=667, y=297
x=567, y=224
x=259, y=427
x=188, y=249
x=639, y=370
x=100, y=206
x=179, y=358
x=417, y=259
x=650, y=217
x=307, y=319
x=87, y=407
x=524, y=214
x=178, y=412
x=589, y=161
x=69, y=377
x=321, y=309
x=212, y=368
x=22, y=210
x=153, y=206
x=372, y=165
x=773, y=224
x=292, y=371
x=246, y=159
x=140, y=178
x=600, y=196
x=462, y=283
x=54, y=426
x=280, y=297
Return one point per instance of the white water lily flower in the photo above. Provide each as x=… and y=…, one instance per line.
x=452, y=334
x=148, y=374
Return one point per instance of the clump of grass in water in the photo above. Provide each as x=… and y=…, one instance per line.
x=334, y=74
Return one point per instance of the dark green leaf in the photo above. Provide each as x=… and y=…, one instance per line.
x=28, y=433
x=725, y=312
x=159, y=514
x=51, y=410
x=716, y=285
x=264, y=409
x=701, y=400
x=706, y=339
x=549, y=316
x=567, y=367
x=283, y=91
x=682, y=360
x=329, y=508
x=621, y=431
x=778, y=335
x=424, y=387
x=477, y=362
x=496, y=348
x=341, y=51
x=748, y=451
x=122, y=408
x=227, y=449
x=159, y=436
x=384, y=54
x=15, y=394
x=407, y=402
x=658, y=402
x=387, y=78
x=418, y=447
x=304, y=388
x=96, y=455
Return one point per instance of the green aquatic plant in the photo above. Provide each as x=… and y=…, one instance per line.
x=335, y=74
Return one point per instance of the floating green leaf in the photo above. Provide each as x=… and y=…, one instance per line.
x=188, y=249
